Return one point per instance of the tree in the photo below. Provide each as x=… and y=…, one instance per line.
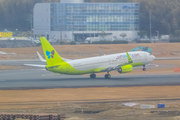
x=177, y=33
x=123, y=35
x=142, y=33
x=166, y=27
x=103, y=35
x=165, y=14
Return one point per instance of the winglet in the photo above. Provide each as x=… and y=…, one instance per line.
x=129, y=58
x=40, y=57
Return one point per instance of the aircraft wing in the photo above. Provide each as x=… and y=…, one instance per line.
x=112, y=68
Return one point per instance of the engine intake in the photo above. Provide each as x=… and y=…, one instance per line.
x=125, y=69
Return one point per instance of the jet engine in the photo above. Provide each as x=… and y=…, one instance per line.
x=125, y=69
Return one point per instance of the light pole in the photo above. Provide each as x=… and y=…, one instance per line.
x=61, y=30
x=83, y=35
x=94, y=35
x=150, y=26
x=72, y=31
x=157, y=34
x=47, y=35
x=16, y=32
x=33, y=33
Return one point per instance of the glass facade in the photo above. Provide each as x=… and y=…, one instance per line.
x=94, y=16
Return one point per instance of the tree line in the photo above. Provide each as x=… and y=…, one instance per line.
x=165, y=14
x=17, y=14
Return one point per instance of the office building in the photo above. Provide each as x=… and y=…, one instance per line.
x=76, y=20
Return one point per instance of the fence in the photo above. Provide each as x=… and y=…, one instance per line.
x=32, y=117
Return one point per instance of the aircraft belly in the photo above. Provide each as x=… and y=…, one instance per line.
x=88, y=67
x=137, y=62
x=84, y=68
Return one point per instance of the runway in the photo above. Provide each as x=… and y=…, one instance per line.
x=37, y=78
x=41, y=79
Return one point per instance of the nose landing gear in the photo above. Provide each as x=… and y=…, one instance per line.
x=144, y=68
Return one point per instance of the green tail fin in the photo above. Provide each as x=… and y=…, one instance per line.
x=52, y=57
x=129, y=58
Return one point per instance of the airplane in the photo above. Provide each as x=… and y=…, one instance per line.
x=121, y=62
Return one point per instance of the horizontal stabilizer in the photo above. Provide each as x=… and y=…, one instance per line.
x=33, y=65
x=41, y=58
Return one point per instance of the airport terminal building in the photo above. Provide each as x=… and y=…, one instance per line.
x=76, y=20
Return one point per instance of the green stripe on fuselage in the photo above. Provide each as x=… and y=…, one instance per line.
x=66, y=68
x=137, y=64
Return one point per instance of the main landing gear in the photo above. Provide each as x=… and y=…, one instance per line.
x=93, y=76
x=144, y=68
x=107, y=76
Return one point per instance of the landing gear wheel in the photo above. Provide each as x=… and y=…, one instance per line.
x=144, y=69
x=120, y=70
x=107, y=76
x=93, y=76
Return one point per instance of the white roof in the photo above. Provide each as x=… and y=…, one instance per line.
x=72, y=1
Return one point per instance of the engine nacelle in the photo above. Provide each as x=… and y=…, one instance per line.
x=125, y=69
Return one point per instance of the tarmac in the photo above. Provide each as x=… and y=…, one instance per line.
x=39, y=78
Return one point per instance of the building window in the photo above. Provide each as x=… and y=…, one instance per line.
x=95, y=16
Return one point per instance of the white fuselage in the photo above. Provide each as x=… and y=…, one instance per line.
x=106, y=61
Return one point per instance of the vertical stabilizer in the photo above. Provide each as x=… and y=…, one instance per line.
x=52, y=57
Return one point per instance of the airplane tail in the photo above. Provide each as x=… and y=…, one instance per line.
x=52, y=57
